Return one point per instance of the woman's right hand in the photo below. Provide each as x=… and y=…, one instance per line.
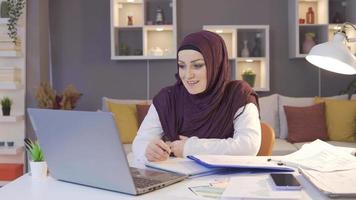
x=157, y=150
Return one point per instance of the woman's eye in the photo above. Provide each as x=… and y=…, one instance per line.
x=197, y=66
x=181, y=66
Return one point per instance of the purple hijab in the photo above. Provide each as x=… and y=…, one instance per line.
x=209, y=114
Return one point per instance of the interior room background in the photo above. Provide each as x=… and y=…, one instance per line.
x=71, y=45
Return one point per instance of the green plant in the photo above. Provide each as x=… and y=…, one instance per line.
x=6, y=102
x=15, y=10
x=248, y=72
x=34, y=149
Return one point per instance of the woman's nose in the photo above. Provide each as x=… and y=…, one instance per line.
x=189, y=73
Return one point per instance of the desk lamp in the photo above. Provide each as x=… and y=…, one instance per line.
x=334, y=55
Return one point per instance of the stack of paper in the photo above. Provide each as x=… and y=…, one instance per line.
x=321, y=156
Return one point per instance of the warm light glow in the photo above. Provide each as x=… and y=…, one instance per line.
x=119, y=5
x=219, y=31
x=249, y=60
x=159, y=29
x=337, y=28
x=130, y=1
x=331, y=64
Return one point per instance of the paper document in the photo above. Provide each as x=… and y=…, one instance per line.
x=256, y=187
x=252, y=163
x=181, y=165
x=333, y=184
x=321, y=156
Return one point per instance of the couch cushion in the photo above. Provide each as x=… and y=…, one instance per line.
x=269, y=111
x=295, y=101
x=341, y=119
x=306, y=123
x=126, y=120
x=142, y=111
x=282, y=147
x=105, y=101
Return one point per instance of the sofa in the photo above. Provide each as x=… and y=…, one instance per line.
x=271, y=111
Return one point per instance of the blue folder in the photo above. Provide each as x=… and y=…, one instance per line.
x=244, y=168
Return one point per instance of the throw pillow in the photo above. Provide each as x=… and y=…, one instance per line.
x=340, y=119
x=142, y=111
x=306, y=123
x=126, y=120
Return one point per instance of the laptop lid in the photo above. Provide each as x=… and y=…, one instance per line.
x=83, y=147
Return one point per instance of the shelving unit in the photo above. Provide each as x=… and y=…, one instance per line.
x=13, y=84
x=138, y=34
x=328, y=15
x=257, y=61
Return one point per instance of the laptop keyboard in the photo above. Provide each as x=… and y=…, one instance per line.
x=144, y=182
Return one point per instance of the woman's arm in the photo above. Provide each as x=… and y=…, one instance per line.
x=150, y=129
x=245, y=141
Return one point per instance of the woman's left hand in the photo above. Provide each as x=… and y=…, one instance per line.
x=177, y=147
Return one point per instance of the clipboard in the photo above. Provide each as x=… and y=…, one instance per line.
x=253, y=164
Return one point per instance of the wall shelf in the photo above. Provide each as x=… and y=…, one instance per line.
x=234, y=37
x=10, y=53
x=10, y=86
x=137, y=35
x=328, y=14
x=11, y=150
x=11, y=118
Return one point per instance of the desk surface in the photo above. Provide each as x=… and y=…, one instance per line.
x=27, y=188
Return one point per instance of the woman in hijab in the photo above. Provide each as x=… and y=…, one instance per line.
x=203, y=112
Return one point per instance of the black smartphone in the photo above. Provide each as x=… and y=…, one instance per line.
x=285, y=181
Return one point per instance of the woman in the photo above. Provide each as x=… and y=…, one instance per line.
x=203, y=112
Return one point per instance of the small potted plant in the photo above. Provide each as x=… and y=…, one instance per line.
x=6, y=103
x=249, y=76
x=37, y=164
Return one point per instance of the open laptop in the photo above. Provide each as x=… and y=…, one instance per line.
x=85, y=148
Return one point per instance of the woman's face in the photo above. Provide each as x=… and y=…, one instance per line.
x=192, y=71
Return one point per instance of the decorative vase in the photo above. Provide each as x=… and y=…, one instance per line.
x=159, y=16
x=38, y=169
x=245, y=52
x=256, y=50
x=6, y=111
x=308, y=43
x=129, y=20
x=310, y=16
x=249, y=78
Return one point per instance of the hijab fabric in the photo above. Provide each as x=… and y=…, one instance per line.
x=209, y=114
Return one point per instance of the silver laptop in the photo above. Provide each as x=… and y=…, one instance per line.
x=85, y=148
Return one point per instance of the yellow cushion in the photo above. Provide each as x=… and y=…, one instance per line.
x=126, y=120
x=340, y=119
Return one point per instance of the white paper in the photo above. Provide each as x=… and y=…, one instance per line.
x=256, y=187
x=321, y=156
x=339, y=182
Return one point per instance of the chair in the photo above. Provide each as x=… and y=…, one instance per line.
x=267, y=140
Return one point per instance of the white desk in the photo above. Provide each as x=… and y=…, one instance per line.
x=26, y=188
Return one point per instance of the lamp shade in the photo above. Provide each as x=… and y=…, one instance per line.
x=333, y=56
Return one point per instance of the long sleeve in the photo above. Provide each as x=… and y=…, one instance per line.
x=149, y=130
x=245, y=141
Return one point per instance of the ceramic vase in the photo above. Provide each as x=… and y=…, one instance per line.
x=245, y=51
x=38, y=169
x=308, y=44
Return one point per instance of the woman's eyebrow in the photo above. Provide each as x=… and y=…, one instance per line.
x=197, y=60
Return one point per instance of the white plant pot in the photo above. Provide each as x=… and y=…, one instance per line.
x=38, y=169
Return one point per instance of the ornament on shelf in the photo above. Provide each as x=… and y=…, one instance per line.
x=310, y=16
x=129, y=20
x=245, y=52
x=309, y=42
x=159, y=16
x=256, y=50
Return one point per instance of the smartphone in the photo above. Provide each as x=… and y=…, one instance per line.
x=285, y=181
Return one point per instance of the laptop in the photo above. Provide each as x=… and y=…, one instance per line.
x=85, y=148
